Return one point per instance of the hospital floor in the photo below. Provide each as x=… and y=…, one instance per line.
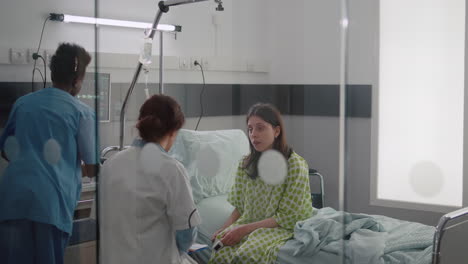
x=84, y=253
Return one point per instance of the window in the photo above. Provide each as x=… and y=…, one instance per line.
x=420, y=102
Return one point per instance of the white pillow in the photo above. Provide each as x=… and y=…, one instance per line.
x=211, y=159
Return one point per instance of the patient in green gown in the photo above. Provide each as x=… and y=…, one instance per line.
x=265, y=215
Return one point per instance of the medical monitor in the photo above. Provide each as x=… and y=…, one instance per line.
x=88, y=93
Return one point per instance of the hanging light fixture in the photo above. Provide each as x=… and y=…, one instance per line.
x=112, y=22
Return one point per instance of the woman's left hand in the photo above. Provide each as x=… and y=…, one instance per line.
x=234, y=236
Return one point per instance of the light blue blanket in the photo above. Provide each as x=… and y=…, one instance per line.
x=363, y=238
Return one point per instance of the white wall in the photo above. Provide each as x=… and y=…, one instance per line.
x=298, y=41
x=232, y=38
x=304, y=41
x=21, y=23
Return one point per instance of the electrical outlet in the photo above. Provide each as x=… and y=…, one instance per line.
x=41, y=52
x=192, y=62
x=18, y=56
x=184, y=63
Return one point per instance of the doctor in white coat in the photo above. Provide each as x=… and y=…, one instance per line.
x=146, y=208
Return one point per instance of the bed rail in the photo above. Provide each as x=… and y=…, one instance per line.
x=461, y=216
x=107, y=150
x=318, y=200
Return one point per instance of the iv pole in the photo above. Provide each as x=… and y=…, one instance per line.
x=163, y=8
x=161, y=63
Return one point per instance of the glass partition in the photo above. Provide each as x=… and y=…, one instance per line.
x=48, y=99
x=216, y=59
x=251, y=52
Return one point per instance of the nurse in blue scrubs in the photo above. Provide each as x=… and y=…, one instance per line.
x=47, y=136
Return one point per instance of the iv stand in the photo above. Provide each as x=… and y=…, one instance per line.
x=163, y=8
x=161, y=63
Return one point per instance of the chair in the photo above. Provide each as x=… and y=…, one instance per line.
x=317, y=193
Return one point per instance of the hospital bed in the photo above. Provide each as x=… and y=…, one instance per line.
x=210, y=158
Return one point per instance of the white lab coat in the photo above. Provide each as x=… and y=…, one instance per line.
x=140, y=212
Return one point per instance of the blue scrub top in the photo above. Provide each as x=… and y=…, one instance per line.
x=47, y=135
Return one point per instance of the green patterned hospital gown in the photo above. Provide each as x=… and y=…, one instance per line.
x=255, y=200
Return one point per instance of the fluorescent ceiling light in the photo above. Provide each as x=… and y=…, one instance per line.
x=111, y=22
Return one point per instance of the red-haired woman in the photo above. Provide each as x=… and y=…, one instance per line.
x=145, y=200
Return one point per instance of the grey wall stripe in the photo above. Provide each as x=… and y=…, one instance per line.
x=235, y=99
x=309, y=100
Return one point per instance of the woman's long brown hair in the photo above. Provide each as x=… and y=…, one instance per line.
x=271, y=115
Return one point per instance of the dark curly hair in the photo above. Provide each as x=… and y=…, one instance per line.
x=68, y=64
